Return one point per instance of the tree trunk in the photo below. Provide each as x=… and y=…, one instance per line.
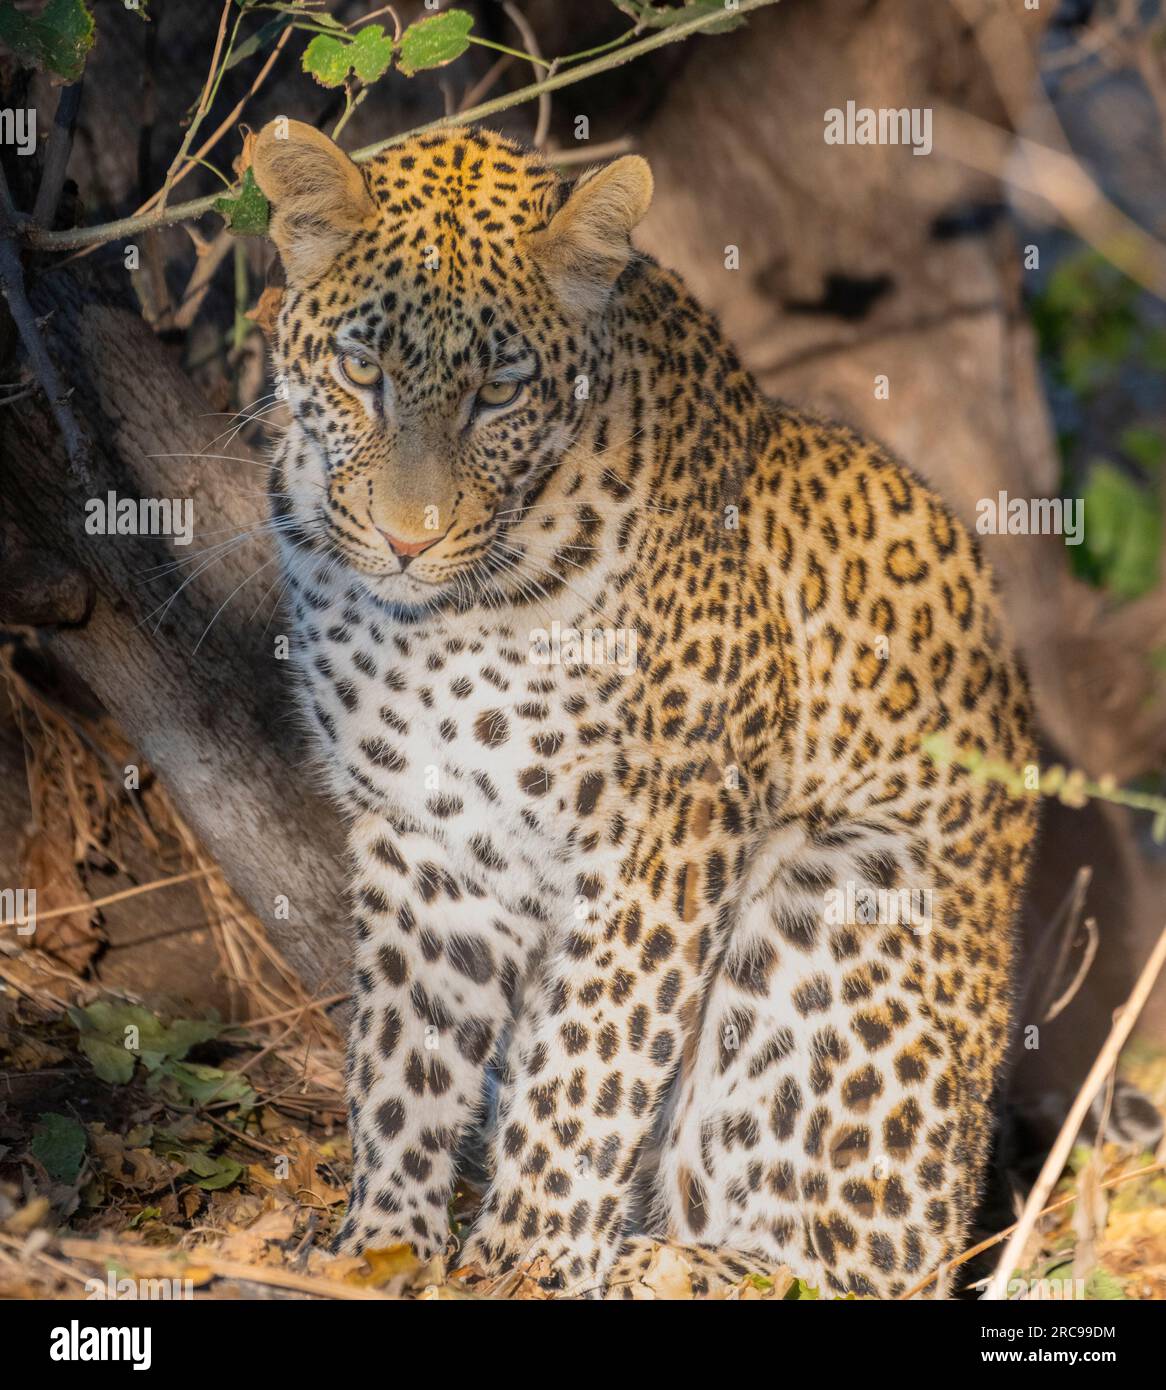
x=192, y=678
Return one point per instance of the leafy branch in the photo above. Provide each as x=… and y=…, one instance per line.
x=426, y=44
x=1071, y=787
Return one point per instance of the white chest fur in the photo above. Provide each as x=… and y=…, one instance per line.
x=465, y=734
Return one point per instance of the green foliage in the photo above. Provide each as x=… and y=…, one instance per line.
x=1103, y=1286
x=327, y=60
x=1088, y=324
x=212, y=1173
x=262, y=38
x=433, y=42
x=1091, y=329
x=330, y=59
x=1122, y=548
x=801, y=1292
x=58, y=1145
x=369, y=53
x=192, y=1083
x=57, y=40
x=107, y=1025
x=247, y=212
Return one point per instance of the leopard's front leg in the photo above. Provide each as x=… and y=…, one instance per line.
x=595, y=1052
x=435, y=966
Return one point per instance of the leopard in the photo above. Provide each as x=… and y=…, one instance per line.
x=627, y=683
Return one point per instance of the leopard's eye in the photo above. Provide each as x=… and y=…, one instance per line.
x=362, y=371
x=496, y=393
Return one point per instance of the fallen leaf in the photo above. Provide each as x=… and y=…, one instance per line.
x=383, y=1265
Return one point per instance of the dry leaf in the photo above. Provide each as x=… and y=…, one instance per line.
x=48, y=866
x=393, y=1262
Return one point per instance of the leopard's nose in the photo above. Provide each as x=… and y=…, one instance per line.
x=406, y=551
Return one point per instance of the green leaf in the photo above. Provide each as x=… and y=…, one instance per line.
x=113, y=1062
x=211, y=1172
x=327, y=60
x=104, y=1028
x=202, y=1165
x=1102, y=1285
x=58, y=39
x=262, y=38
x=227, y=1171
x=371, y=53
x=1145, y=445
x=58, y=1144
x=801, y=1292
x=248, y=213
x=1123, y=534
x=433, y=42
x=199, y=1085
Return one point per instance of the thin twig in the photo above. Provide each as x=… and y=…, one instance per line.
x=311, y=1005
x=221, y=129
x=1060, y=181
x=1055, y=1163
x=52, y=178
x=204, y=101
x=211, y=255
x=141, y=1257
x=530, y=39
x=486, y=83
x=1069, y=993
x=1059, y=1205
x=90, y=903
x=12, y=286
x=1048, y=962
x=590, y=154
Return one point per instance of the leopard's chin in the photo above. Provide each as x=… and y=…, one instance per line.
x=406, y=597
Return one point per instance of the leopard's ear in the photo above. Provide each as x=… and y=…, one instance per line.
x=318, y=196
x=587, y=243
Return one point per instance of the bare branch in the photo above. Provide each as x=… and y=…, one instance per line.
x=57, y=159
x=1055, y=1162
x=70, y=240
x=12, y=285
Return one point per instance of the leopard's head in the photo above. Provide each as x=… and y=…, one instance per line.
x=442, y=334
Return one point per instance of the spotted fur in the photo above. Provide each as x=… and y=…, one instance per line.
x=616, y=878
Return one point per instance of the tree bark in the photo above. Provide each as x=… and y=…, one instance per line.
x=191, y=676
